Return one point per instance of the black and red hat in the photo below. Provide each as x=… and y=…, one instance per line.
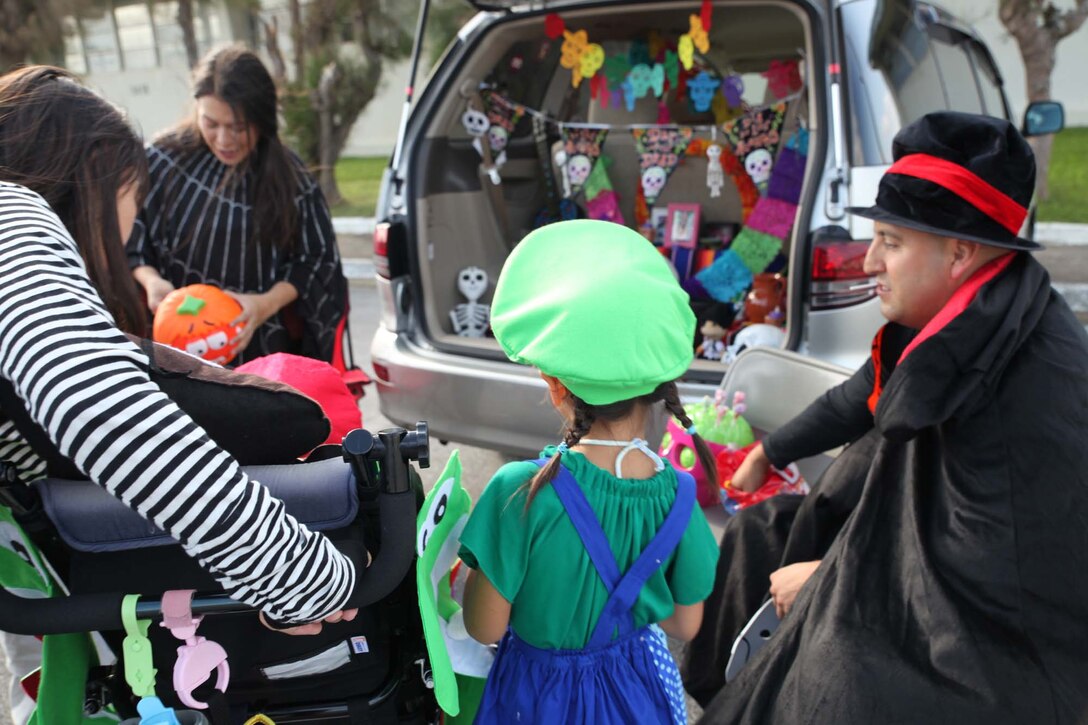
x=959, y=175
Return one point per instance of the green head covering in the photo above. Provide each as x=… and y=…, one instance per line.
x=593, y=304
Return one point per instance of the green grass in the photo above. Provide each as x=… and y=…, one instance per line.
x=358, y=178
x=1068, y=178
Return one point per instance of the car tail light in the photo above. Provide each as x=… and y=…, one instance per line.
x=381, y=249
x=838, y=277
x=391, y=248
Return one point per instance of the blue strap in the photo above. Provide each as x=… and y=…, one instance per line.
x=588, y=527
x=623, y=591
x=663, y=544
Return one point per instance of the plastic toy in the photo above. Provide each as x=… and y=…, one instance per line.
x=459, y=664
x=722, y=428
x=197, y=319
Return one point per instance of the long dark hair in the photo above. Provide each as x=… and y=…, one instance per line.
x=77, y=151
x=236, y=76
x=585, y=415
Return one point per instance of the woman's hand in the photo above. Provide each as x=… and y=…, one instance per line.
x=787, y=582
x=752, y=471
x=342, y=615
x=258, y=309
x=155, y=287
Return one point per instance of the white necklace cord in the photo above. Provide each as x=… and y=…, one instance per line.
x=631, y=445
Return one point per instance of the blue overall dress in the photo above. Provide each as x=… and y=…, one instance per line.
x=631, y=678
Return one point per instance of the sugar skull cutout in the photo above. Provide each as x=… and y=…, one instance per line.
x=497, y=138
x=578, y=168
x=701, y=91
x=653, y=181
x=758, y=165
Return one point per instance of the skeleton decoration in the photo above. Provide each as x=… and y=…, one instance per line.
x=477, y=124
x=715, y=176
x=471, y=319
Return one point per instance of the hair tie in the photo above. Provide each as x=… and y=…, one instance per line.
x=691, y=430
x=561, y=448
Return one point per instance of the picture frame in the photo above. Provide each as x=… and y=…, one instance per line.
x=658, y=219
x=682, y=225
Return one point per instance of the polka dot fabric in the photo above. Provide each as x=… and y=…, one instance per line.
x=667, y=672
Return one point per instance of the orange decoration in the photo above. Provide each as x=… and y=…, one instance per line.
x=197, y=319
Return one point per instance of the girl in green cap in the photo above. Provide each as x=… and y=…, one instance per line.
x=579, y=556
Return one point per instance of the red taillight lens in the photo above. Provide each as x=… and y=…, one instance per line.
x=381, y=249
x=838, y=274
x=834, y=260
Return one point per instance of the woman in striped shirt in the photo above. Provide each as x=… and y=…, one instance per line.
x=230, y=205
x=71, y=176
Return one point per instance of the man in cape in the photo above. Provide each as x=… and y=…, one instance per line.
x=938, y=572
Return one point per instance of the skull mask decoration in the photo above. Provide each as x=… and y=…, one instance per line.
x=475, y=122
x=653, y=181
x=758, y=165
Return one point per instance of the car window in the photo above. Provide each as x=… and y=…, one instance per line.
x=954, y=66
x=989, y=81
x=901, y=65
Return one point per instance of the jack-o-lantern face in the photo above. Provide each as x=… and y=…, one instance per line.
x=197, y=319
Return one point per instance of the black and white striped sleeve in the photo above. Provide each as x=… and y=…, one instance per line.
x=87, y=386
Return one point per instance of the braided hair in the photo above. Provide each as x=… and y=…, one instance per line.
x=585, y=415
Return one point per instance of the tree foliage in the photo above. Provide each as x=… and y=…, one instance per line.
x=1038, y=26
x=343, y=50
x=33, y=30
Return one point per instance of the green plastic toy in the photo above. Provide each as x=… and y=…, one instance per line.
x=459, y=664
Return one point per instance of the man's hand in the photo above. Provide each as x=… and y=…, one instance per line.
x=787, y=582
x=752, y=471
x=342, y=615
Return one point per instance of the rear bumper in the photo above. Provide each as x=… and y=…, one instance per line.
x=486, y=403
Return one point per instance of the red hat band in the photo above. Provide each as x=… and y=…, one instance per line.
x=989, y=200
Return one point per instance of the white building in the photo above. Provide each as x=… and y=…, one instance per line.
x=134, y=55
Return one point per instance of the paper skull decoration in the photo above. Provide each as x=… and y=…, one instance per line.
x=701, y=90
x=475, y=122
x=758, y=165
x=653, y=181
x=578, y=168
x=497, y=137
x=197, y=319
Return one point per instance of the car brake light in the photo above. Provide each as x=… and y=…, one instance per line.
x=838, y=274
x=381, y=249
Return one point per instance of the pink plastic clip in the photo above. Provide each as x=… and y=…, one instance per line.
x=198, y=657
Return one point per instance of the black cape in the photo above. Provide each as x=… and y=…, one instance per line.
x=957, y=589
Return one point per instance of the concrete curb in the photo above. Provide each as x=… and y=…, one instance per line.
x=353, y=224
x=1056, y=234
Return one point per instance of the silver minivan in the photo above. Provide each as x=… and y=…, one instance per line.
x=865, y=68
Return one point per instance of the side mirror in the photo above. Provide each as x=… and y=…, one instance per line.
x=1043, y=117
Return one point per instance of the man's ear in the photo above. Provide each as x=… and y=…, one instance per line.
x=966, y=258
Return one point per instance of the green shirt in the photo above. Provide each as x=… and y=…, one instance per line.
x=537, y=562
